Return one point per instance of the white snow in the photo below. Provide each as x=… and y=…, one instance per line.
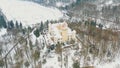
x=109, y=2
x=63, y=4
x=52, y=62
x=109, y=65
x=114, y=64
x=2, y=31
x=59, y=4
x=28, y=12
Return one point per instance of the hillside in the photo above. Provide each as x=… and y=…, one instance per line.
x=105, y=12
x=82, y=34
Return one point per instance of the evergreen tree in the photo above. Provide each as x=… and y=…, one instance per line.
x=9, y=27
x=41, y=27
x=2, y=22
x=16, y=24
x=100, y=26
x=93, y=23
x=86, y=23
x=23, y=31
x=21, y=25
x=29, y=29
x=11, y=24
x=46, y=24
x=36, y=33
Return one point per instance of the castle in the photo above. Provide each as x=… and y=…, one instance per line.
x=60, y=32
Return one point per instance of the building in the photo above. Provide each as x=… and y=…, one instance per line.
x=60, y=32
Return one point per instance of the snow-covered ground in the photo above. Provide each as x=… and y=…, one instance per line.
x=109, y=2
x=2, y=32
x=28, y=12
x=113, y=64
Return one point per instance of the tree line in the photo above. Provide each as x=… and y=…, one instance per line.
x=9, y=24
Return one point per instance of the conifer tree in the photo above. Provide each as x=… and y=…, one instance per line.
x=11, y=24
x=41, y=27
x=36, y=33
x=100, y=26
x=2, y=22
x=21, y=25
x=16, y=24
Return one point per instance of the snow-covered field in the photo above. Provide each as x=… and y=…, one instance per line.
x=28, y=12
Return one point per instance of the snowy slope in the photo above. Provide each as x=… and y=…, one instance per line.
x=28, y=12
x=2, y=32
